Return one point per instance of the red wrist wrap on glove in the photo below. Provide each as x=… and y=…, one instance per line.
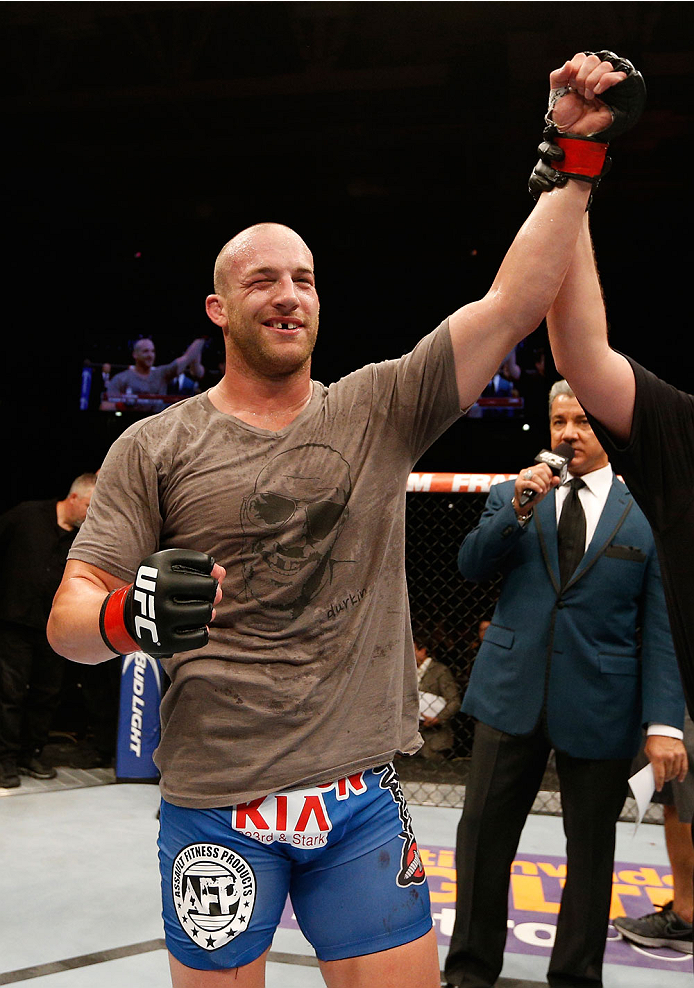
x=112, y=624
x=581, y=157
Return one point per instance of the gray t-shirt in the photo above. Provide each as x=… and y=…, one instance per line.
x=309, y=674
x=130, y=382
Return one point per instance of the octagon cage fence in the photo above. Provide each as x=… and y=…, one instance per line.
x=446, y=613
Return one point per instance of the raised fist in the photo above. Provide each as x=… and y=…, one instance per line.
x=596, y=94
x=594, y=98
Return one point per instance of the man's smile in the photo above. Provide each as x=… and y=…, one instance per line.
x=284, y=325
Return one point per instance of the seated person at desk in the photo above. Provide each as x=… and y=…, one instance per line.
x=143, y=378
x=439, y=700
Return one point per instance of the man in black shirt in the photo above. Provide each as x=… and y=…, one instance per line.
x=647, y=427
x=35, y=537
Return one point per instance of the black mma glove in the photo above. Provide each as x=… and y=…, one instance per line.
x=584, y=157
x=166, y=609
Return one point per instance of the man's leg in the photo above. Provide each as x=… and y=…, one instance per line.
x=363, y=901
x=505, y=775
x=100, y=691
x=437, y=741
x=42, y=701
x=678, y=839
x=249, y=976
x=412, y=965
x=593, y=793
x=15, y=669
x=223, y=895
x=678, y=832
x=671, y=924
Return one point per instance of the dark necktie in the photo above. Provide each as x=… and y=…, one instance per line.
x=571, y=532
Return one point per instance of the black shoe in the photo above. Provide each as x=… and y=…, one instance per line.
x=661, y=929
x=33, y=766
x=9, y=778
x=90, y=758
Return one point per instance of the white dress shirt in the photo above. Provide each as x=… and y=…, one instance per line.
x=592, y=497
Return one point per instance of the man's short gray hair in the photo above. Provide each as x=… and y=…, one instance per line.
x=559, y=388
x=83, y=484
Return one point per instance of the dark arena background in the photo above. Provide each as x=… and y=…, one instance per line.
x=396, y=138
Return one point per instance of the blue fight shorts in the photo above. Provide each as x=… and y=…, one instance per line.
x=345, y=853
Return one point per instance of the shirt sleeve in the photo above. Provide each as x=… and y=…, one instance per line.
x=419, y=392
x=665, y=731
x=124, y=522
x=658, y=461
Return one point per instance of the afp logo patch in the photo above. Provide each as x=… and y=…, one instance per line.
x=214, y=891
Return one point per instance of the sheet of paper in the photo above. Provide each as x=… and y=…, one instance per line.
x=642, y=786
x=430, y=705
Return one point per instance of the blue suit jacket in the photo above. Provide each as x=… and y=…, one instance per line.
x=577, y=654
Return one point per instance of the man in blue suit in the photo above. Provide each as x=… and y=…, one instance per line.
x=578, y=658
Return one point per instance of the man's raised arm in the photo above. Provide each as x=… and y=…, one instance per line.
x=601, y=379
x=483, y=332
x=190, y=360
x=537, y=263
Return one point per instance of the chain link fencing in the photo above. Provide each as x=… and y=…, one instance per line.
x=446, y=614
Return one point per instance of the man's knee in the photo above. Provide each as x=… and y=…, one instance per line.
x=410, y=965
x=247, y=976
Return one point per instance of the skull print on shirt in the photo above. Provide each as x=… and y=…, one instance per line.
x=291, y=523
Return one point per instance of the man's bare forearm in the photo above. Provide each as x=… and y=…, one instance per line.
x=538, y=260
x=536, y=264
x=528, y=279
x=73, y=625
x=191, y=358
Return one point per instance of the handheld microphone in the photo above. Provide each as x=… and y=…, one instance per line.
x=557, y=460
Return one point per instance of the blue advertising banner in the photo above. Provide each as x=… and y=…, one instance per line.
x=138, y=718
x=534, y=896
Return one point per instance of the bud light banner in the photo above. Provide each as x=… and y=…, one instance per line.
x=138, y=718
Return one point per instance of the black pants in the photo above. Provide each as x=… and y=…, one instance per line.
x=505, y=776
x=31, y=675
x=100, y=691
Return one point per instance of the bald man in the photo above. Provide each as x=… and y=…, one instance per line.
x=144, y=378
x=293, y=690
